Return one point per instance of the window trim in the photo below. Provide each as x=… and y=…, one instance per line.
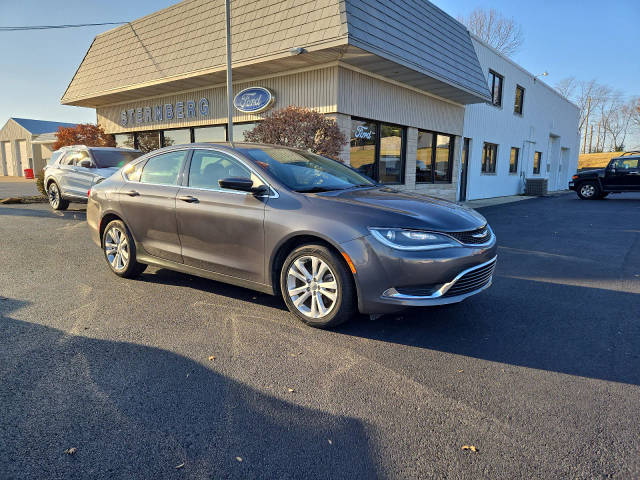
x=434, y=149
x=495, y=163
x=521, y=111
x=517, y=163
x=377, y=148
x=495, y=75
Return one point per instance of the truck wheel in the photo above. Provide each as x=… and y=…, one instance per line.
x=588, y=191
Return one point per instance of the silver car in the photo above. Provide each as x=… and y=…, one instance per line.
x=287, y=222
x=72, y=171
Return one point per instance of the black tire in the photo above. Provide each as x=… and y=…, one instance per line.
x=345, y=304
x=55, y=197
x=124, y=267
x=589, y=191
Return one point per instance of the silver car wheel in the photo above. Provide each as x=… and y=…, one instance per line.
x=116, y=248
x=54, y=195
x=588, y=190
x=312, y=286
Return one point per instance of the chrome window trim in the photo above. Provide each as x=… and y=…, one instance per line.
x=393, y=293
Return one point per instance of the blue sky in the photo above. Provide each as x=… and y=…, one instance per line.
x=585, y=39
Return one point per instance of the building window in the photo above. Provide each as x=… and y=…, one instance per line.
x=495, y=81
x=434, y=165
x=537, y=159
x=180, y=136
x=519, y=102
x=513, y=160
x=489, y=155
x=378, y=150
x=216, y=133
x=239, y=129
x=125, y=140
x=147, y=141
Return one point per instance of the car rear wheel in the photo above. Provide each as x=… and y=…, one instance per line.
x=120, y=250
x=55, y=197
x=317, y=287
x=588, y=191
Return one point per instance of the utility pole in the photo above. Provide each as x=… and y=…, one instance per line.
x=586, y=125
x=591, y=138
x=227, y=12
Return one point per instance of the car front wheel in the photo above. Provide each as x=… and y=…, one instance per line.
x=588, y=191
x=120, y=250
x=55, y=197
x=317, y=286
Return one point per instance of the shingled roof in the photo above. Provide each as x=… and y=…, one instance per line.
x=183, y=47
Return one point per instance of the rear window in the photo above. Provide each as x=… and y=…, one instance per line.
x=114, y=158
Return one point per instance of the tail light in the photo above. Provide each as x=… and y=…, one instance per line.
x=575, y=177
x=88, y=193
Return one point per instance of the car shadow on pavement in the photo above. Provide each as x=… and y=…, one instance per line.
x=72, y=213
x=135, y=411
x=515, y=322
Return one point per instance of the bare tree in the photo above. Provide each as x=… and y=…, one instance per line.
x=616, y=120
x=502, y=33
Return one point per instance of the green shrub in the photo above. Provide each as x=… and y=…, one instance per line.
x=40, y=183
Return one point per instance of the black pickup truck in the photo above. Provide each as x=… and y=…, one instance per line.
x=621, y=175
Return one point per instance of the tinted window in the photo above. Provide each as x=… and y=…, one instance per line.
x=148, y=141
x=163, y=169
x=444, y=151
x=489, y=155
x=495, y=82
x=54, y=157
x=208, y=167
x=537, y=159
x=519, y=102
x=113, y=158
x=239, y=130
x=424, y=172
x=363, y=146
x=210, y=134
x=177, y=137
x=68, y=158
x=626, y=163
x=305, y=172
x=513, y=160
x=390, y=166
x=124, y=140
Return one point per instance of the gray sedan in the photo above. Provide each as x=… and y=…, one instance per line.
x=72, y=171
x=287, y=222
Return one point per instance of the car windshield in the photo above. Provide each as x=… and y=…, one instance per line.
x=306, y=172
x=114, y=158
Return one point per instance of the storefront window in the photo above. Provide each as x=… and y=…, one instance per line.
x=391, y=142
x=148, y=141
x=363, y=146
x=177, y=137
x=434, y=165
x=124, y=140
x=239, y=129
x=217, y=133
x=424, y=172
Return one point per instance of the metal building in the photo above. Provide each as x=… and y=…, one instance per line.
x=26, y=143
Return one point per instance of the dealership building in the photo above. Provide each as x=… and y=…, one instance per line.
x=399, y=79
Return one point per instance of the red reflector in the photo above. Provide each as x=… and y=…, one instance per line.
x=89, y=193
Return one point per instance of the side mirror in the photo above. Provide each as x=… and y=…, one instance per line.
x=85, y=163
x=242, y=184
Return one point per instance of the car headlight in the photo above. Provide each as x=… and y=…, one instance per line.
x=404, y=239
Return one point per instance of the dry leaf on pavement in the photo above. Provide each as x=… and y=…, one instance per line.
x=71, y=451
x=473, y=448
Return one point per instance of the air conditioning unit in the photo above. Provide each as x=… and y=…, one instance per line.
x=536, y=186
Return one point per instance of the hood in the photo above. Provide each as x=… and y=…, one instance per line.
x=390, y=207
x=591, y=172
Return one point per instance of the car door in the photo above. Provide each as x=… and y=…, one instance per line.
x=221, y=230
x=623, y=174
x=148, y=202
x=65, y=171
x=81, y=178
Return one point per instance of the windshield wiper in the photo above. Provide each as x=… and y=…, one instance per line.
x=317, y=189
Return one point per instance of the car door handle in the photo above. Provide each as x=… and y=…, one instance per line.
x=132, y=193
x=188, y=198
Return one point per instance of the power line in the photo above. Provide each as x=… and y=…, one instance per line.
x=50, y=27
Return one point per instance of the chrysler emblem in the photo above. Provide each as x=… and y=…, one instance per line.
x=480, y=234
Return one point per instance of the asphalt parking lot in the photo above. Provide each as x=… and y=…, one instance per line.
x=172, y=376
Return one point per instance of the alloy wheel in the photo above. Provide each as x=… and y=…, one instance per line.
x=312, y=286
x=116, y=248
x=54, y=195
x=588, y=190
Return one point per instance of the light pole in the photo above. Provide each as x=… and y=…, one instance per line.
x=227, y=12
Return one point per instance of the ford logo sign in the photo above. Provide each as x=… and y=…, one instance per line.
x=254, y=100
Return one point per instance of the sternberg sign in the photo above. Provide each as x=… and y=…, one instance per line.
x=164, y=112
x=254, y=100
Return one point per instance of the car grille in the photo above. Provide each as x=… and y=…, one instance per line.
x=473, y=237
x=471, y=281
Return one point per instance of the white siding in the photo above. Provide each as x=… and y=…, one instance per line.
x=549, y=124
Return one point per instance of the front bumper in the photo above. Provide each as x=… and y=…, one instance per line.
x=572, y=185
x=389, y=280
